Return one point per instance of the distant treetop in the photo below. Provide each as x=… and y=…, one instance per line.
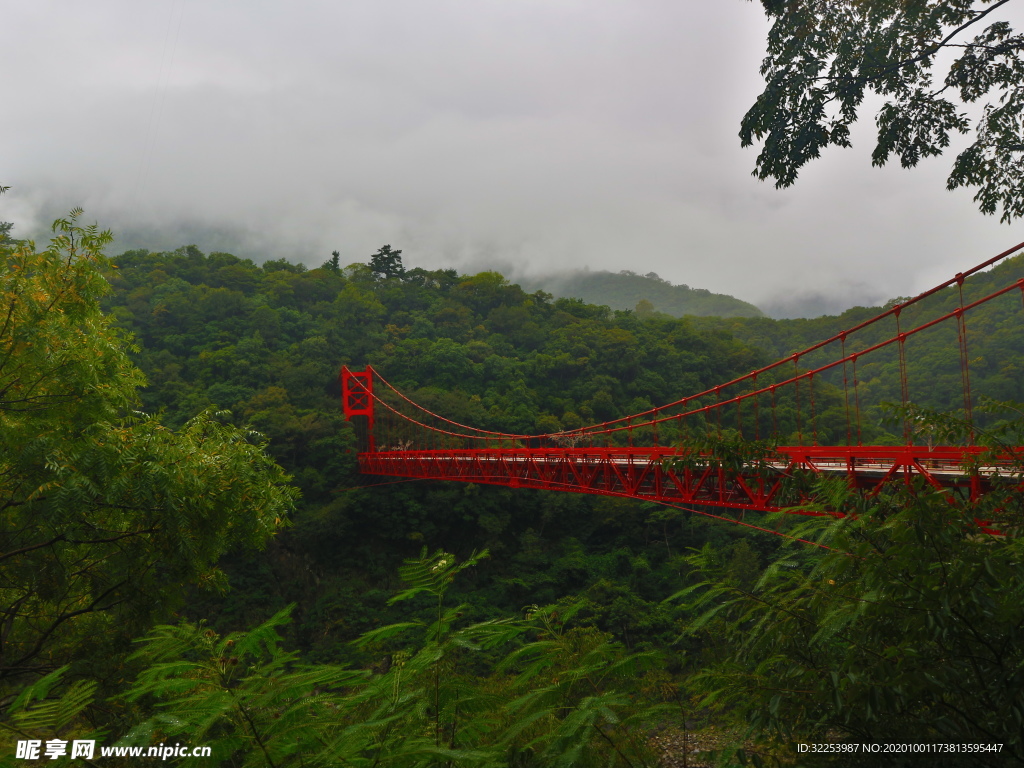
x=386, y=263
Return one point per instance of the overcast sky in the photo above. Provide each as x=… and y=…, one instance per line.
x=524, y=135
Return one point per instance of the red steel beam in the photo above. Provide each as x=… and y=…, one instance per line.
x=657, y=474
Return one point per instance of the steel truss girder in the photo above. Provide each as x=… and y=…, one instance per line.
x=647, y=473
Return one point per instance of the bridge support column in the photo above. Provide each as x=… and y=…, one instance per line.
x=357, y=399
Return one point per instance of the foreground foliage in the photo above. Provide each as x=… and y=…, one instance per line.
x=107, y=515
x=825, y=58
x=494, y=693
x=909, y=627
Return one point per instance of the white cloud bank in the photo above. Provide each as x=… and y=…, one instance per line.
x=531, y=135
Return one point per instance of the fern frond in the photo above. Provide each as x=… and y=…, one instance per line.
x=433, y=574
x=38, y=690
x=385, y=633
x=53, y=715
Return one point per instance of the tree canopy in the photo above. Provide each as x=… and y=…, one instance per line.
x=387, y=263
x=933, y=62
x=107, y=516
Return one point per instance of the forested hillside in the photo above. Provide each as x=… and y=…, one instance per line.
x=267, y=342
x=993, y=343
x=626, y=290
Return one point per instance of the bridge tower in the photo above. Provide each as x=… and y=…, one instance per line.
x=357, y=398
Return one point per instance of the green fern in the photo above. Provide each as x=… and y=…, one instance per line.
x=433, y=574
x=243, y=696
x=559, y=699
x=47, y=709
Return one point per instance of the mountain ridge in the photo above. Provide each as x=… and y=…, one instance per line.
x=627, y=289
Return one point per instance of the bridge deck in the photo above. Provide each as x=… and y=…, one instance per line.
x=661, y=474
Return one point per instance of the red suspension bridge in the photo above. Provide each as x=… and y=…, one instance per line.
x=808, y=412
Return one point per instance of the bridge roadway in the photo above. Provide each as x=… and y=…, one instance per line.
x=662, y=475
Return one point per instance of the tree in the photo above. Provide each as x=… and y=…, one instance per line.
x=386, y=263
x=107, y=515
x=5, y=226
x=824, y=58
x=333, y=264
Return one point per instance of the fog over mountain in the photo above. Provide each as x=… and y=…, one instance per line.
x=534, y=136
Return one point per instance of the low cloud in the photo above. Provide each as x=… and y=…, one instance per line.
x=530, y=137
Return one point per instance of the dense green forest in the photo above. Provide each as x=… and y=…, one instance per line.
x=644, y=293
x=288, y=611
x=266, y=342
x=992, y=344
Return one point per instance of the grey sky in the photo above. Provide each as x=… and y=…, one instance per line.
x=533, y=135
